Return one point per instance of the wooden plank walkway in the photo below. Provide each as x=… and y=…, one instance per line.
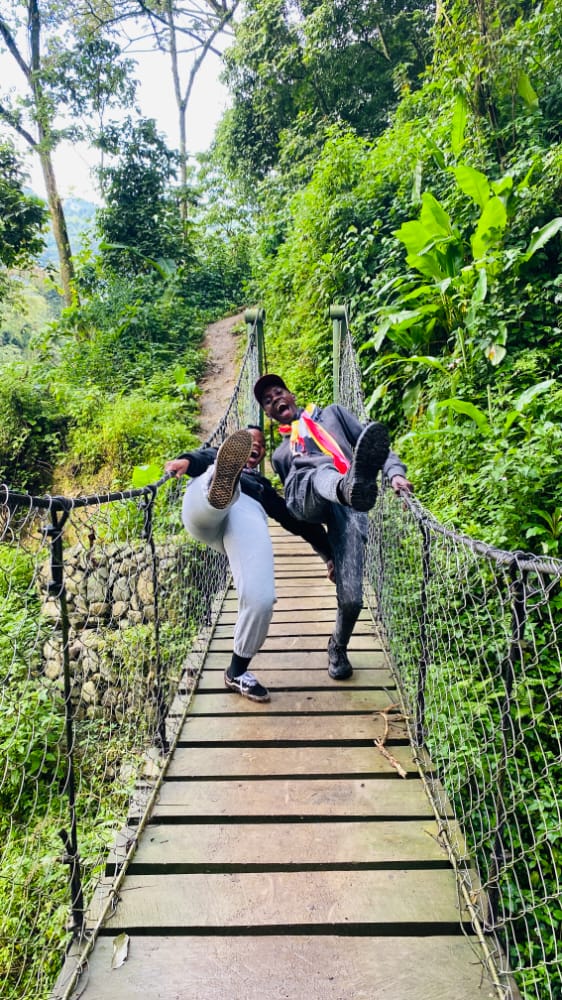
x=286, y=857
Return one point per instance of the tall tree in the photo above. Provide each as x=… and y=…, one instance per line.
x=41, y=41
x=187, y=32
x=319, y=60
x=140, y=223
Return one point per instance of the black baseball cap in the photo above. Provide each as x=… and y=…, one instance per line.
x=264, y=382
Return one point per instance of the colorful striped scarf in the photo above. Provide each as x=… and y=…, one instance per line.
x=308, y=436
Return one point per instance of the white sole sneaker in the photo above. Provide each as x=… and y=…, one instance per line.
x=248, y=686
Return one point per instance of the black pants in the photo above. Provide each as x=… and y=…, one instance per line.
x=310, y=493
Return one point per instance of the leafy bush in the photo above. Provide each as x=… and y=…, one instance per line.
x=31, y=427
x=127, y=431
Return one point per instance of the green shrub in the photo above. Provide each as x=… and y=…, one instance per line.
x=127, y=431
x=31, y=427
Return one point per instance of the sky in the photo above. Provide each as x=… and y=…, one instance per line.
x=156, y=98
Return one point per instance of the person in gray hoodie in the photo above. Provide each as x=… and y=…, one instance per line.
x=329, y=464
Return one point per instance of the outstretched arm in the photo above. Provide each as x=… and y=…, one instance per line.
x=194, y=461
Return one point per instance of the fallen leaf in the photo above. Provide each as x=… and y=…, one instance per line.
x=120, y=950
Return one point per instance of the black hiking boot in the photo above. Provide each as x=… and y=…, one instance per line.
x=358, y=488
x=339, y=667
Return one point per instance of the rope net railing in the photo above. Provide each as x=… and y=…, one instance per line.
x=106, y=610
x=474, y=636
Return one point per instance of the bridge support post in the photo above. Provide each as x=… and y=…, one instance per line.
x=338, y=315
x=255, y=319
x=56, y=589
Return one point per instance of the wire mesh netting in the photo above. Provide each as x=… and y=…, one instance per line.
x=474, y=636
x=106, y=609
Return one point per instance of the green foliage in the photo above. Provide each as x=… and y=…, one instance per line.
x=79, y=215
x=31, y=715
x=322, y=63
x=448, y=306
x=22, y=218
x=141, y=221
x=90, y=78
x=126, y=431
x=34, y=908
x=116, y=338
x=30, y=306
x=31, y=426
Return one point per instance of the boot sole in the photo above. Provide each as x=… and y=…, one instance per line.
x=341, y=675
x=231, y=459
x=371, y=452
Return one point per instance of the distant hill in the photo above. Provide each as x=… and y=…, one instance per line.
x=79, y=215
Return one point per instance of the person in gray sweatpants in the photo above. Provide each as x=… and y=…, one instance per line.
x=226, y=505
x=329, y=464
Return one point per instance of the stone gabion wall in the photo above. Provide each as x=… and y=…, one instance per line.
x=111, y=608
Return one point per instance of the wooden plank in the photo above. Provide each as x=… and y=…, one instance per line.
x=287, y=556
x=296, y=615
x=376, y=898
x=302, y=642
x=341, y=699
x=283, y=659
x=274, y=679
x=302, y=797
x=288, y=968
x=309, y=563
x=286, y=729
x=242, y=762
x=303, y=629
x=286, y=588
x=287, y=602
x=362, y=842
x=304, y=572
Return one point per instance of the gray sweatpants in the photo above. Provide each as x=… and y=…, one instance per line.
x=240, y=532
x=310, y=493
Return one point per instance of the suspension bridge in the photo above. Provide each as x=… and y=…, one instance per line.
x=396, y=835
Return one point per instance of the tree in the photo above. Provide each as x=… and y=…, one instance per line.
x=141, y=221
x=188, y=32
x=320, y=61
x=61, y=73
x=22, y=217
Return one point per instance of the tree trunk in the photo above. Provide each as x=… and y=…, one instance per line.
x=60, y=231
x=43, y=148
x=181, y=106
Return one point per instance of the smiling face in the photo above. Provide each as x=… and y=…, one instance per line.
x=258, y=448
x=279, y=404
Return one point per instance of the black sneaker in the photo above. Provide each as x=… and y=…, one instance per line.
x=339, y=667
x=358, y=488
x=247, y=685
x=231, y=458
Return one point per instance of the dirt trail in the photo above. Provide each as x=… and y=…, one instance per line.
x=222, y=343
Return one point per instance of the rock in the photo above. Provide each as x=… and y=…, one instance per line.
x=89, y=692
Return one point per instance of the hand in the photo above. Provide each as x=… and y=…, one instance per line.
x=178, y=466
x=331, y=571
x=400, y=483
